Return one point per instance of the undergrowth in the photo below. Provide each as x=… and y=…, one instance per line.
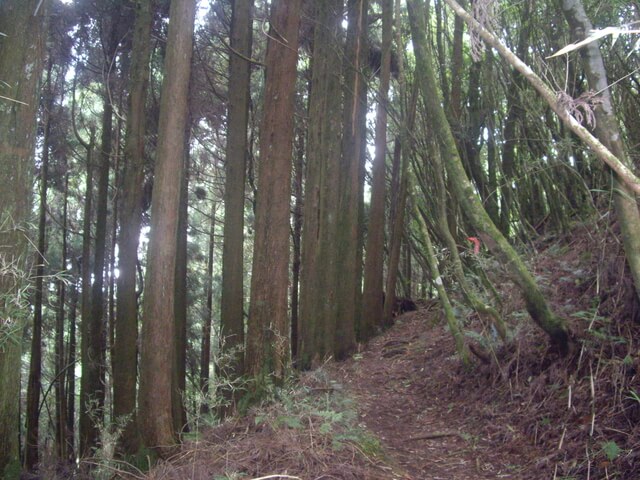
x=583, y=410
x=305, y=429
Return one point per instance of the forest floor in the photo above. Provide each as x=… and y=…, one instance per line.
x=411, y=393
x=405, y=408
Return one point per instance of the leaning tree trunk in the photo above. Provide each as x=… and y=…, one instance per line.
x=624, y=172
x=268, y=327
x=21, y=52
x=608, y=132
x=157, y=355
x=436, y=279
x=536, y=304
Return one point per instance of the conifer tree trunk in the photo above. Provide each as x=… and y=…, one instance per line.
x=93, y=347
x=536, y=304
x=232, y=295
x=60, y=359
x=180, y=300
x=297, y=238
x=158, y=349
x=319, y=253
x=21, y=56
x=372, y=294
x=348, y=282
x=268, y=328
x=608, y=132
x=396, y=228
x=70, y=381
x=205, y=340
x=92, y=391
x=34, y=385
x=85, y=265
x=403, y=149
x=125, y=350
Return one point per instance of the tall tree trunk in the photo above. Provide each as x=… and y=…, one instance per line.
x=608, y=132
x=205, y=341
x=397, y=229
x=60, y=360
x=158, y=327
x=71, y=375
x=536, y=304
x=268, y=328
x=125, y=350
x=297, y=238
x=232, y=295
x=372, y=294
x=180, y=299
x=319, y=253
x=21, y=56
x=350, y=212
x=35, y=363
x=92, y=390
x=85, y=265
x=94, y=340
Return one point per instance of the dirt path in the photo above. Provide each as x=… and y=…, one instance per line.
x=409, y=391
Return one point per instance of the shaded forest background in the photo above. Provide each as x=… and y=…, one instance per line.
x=200, y=200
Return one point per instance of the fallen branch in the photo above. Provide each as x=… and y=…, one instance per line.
x=436, y=435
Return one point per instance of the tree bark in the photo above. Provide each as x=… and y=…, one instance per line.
x=268, y=328
x=92, y=392
x=180, y=299
x=94, y=340
x=158, y=328
x=372, y=294
x=34, y=385
x=60, y=359
x=21, y=57
x=125, y=350
x=348, y=283
x=452, y=322
x=319, y=253
x=205, y=340
x=232, y=295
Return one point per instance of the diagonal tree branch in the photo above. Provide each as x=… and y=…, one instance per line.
x=601, y=151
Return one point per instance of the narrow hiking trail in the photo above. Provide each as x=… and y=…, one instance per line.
x=410, y=393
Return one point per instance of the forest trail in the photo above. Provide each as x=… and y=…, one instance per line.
x=410, y=395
